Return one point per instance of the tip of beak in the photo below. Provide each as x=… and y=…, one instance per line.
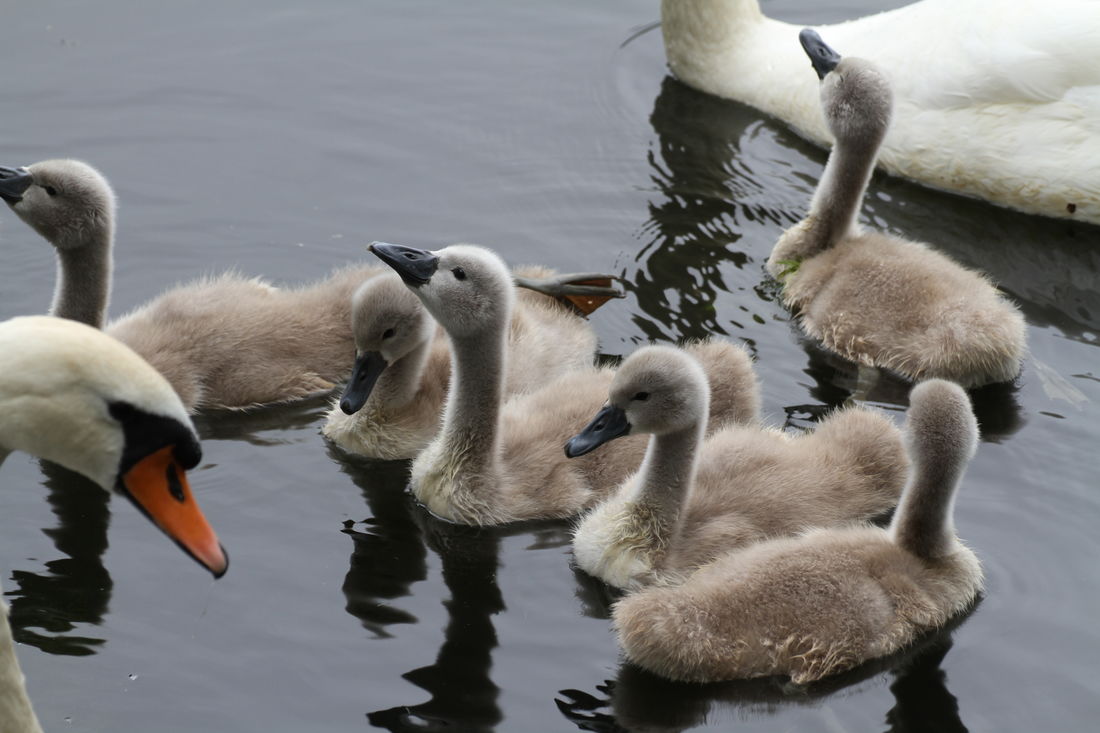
x=213, y=557
x=220, y=568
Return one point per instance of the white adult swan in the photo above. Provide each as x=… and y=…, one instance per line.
x=818, y=604
x=71, y=395
x=221, y=342
x=874, y=298
x=999, y=100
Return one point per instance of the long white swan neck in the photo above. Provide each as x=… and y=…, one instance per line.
x=16, y=713
x=667, y=475
x=473, y=403
x=84, y=280
x=399, y=383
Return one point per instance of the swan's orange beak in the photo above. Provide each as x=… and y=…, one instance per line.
x=158, y=486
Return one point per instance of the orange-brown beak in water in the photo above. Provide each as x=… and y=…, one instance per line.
x=157, y=484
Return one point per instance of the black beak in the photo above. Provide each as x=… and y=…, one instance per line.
x=368, y=367
x=609, y=423
x=13, y=183
x=823, y=58
x=415, y=266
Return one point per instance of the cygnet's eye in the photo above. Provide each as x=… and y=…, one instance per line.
x=389, y=333
x=459, y=273
x=642, y=396
x=50, y=190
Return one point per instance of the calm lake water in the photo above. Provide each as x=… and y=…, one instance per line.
x=278, y=138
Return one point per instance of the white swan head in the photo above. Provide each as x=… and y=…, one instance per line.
x=388, y=323
x=77, y=397
x=856, y=97
x=66, y=201
x=657, y=390
x=467, y=289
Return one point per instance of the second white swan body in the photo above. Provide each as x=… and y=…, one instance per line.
x=995, y=100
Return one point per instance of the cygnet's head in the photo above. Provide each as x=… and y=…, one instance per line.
x=66, y=201
x=657, y=390
x=75, y=396
x=940, y=426
x=856, y=97
x=388, y=322
x=467, y=289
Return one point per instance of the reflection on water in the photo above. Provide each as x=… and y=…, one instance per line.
x=388, y=553
x=692, y=232
x=464, y=696
x=639, y=700
x=250, y=426
x=76, y=589
x=923, y=701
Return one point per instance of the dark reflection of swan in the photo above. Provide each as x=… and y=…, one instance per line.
x=638, y=700
x=76, y=589
x=692, y=232
x=464, y=696
x=388, y=553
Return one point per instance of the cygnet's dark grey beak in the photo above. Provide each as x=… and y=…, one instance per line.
x=609, y=423
x=415, y=266
x=823, y=58
x=368, y=367
x=13, y=183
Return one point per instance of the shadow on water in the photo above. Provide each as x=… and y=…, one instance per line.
x=464, y=696
x=76, y=589
x=388, y=551
x=639, y=700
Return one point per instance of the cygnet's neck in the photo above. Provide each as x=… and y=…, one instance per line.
x=834, y=210
x=665, y=479
x=923, y=523
x=471, y=416
x=84, y=280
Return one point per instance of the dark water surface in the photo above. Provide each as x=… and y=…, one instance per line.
x=279, y=138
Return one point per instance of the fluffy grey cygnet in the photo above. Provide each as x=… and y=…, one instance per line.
x=871, y=297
